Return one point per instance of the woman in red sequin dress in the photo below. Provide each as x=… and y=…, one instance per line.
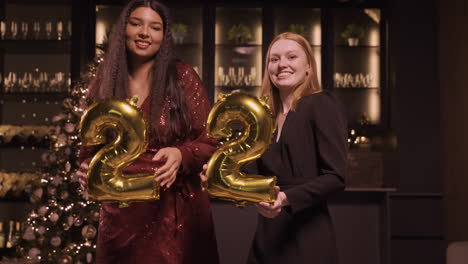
x=179, y=227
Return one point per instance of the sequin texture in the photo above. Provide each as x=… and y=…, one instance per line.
x=177, y=229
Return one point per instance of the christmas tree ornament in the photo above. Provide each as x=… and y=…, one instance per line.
x=52, y=157
x=94, y=216
x=74, y=178
x=88, y=231
x=64, y=195
x=33, y=253
x=224, y=178
x=40, y=240
x=37, y=193
x=29, y=234
x=54, y=217
x=70, y=220
x=67, y=166
x=62, y=140
x=89, y=257
x=55, y=241
x=41, y=230
x=56, y=181
x=66, y=226
x=51, y=190
x=68, y=152
x=78, y=221
x=42, y=210
x=70, y=248
x=69, y=127
x=52, y=201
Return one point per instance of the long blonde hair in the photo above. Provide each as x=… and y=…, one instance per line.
x=309, y=86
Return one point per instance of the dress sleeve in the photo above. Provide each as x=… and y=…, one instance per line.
x=199, y=147
x=328, y=124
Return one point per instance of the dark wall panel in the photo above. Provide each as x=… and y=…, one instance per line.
x=418, y=251
x=413, y=51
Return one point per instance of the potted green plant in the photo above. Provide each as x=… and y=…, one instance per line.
x=352, y=34
x=298, y=29
x=179, y=31
x=240, y=33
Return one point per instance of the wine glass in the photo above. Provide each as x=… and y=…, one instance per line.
x=36, y=80
x=69, y=28
x=14, y=29
x=240, y=76
x=24, y=29
x=221, y=76
x=253, y=75
x=36, y=29
x=48, y=29
x=43, y=79
x=231, y=76
x=11, y=82
x=59, y=30
x=2, y=29
x=69, y=82
x=6, y=84
x=338, y=79
x=26, y=82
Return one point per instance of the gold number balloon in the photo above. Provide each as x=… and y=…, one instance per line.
x=224, y=178
x=106, y=182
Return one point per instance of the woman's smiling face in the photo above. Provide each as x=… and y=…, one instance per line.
x=144, y=32
x=287, y=64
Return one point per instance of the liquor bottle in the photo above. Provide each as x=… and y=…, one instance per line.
x=11, y=226
x=2, y=236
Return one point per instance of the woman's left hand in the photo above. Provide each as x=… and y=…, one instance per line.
x=168, y=172
x=272, y=210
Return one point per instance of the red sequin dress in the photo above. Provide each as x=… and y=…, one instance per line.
x=177, y=229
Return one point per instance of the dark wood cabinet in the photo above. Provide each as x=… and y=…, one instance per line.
x=227, y=43
x=35, y=67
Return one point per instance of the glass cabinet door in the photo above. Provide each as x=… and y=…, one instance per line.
x=238, y=50
x=106, y=19
x=187, y=33
x=357, y=60
x=35, y=48
x=35, y=62
x=305, y=22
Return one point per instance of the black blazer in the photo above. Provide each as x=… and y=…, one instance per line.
x=310, y=161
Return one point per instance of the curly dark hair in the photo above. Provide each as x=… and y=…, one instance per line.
x=112, y=76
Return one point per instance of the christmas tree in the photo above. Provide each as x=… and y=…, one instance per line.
x=62, y=228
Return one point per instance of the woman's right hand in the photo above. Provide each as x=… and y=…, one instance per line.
x=83, y=176
x=203, y=177
x=272, y=210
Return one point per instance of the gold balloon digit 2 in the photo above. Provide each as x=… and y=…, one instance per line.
x=224, y=178
x=106, y=181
